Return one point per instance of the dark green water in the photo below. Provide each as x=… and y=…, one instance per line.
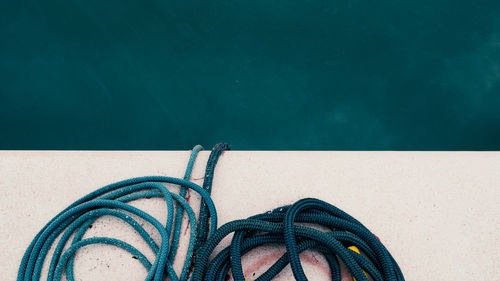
x=360, y=75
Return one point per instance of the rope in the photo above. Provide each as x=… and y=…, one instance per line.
x=341, y=242
x=346, y=240
x=207, y=185
x=111, y=200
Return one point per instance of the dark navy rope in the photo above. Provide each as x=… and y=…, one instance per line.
x=207, y=185
x=279, y=227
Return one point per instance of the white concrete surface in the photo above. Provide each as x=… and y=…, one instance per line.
x=437, y=212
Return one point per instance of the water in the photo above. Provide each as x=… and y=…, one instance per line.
x=356, y=75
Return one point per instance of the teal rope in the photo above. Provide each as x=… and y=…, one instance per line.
x=111, y=200
x=180, y=210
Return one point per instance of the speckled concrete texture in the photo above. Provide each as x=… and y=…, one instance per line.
x=437, y=212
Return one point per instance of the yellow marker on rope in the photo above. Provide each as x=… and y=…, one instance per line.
x=355, y=249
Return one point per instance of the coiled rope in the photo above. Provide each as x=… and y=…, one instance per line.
x=346, y=240
x=111, y=200
x=279, y=227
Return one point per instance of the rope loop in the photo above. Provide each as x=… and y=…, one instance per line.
x=346, y=240
x=112, y=200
